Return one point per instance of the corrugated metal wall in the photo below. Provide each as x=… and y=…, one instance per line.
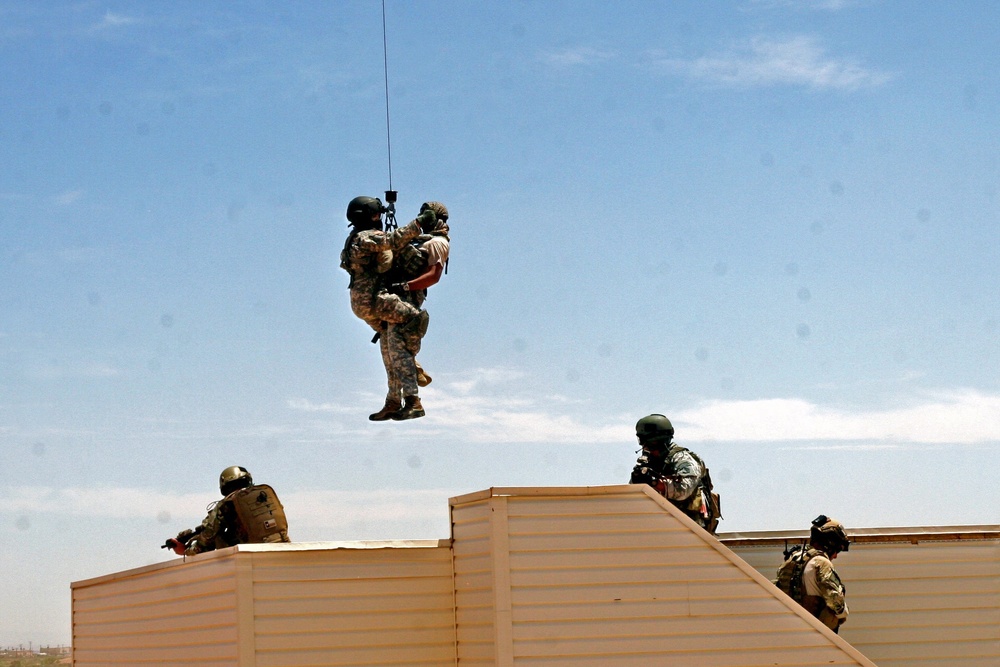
x=274, y=606
x=930, y=601
x=546, y=577
x=180, y=614
x=615, y=576
x=474, y=599
x=354, y=607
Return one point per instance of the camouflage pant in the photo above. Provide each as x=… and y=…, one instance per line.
x=382, y=307
x=400, y=343
x=399, y=338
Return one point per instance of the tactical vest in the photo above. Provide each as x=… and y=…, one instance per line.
x=349, y=263
x=260, y=515
x=790, y=573
x=410, y=262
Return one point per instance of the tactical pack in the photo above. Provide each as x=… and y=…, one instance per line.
x=789, y=578
x=410, y=262
x=260, y=515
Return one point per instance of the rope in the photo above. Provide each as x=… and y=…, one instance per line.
x=385, y=67
x=390, y=194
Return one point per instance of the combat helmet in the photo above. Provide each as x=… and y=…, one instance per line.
x=233, y=478
x=439, y=209
x=829, y=534
x=361, y=210
x=654, y=429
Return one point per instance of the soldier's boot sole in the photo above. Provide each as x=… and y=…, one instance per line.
x=388, y=410
x=412, y=410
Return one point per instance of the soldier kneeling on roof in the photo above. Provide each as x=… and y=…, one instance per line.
x=678, y=474
x=247, y=513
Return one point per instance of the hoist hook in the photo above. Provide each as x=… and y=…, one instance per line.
x=390, y=210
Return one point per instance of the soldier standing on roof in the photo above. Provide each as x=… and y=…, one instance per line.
x=416, y=267
x=367, y=257
x=678, y=474
x=808, y=577
x=247, y=513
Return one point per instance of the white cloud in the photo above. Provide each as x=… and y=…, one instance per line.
x=101, y=502
x=576, y=56
x=493, y=406
x=367, y=514
x=111, y=21
x=480, y=405
x=966, y=417
x=69, y=197
x=796, y=61
x=820, y=5
x=305, y=405
x=312, y=514
x=58, y=370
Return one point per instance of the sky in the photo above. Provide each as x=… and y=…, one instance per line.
x=773, y=221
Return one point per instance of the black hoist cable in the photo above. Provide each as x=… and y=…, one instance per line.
x=390, y=194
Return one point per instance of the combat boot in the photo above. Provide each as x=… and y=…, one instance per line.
x=411, y=410
x=423, y=379
x=391, y=407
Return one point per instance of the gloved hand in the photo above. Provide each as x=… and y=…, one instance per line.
x=400, y=287
x=427, y=220
x=176, y=545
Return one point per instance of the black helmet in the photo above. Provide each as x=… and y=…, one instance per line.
x=829, y=534
x=361, y=210
x=233, y=478
x=654, y=429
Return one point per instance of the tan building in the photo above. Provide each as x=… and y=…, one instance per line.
x=593, y=576
x=917, y=596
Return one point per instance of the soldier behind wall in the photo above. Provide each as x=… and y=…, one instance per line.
x=677, y=474
x=808, y=577
x=247, y=513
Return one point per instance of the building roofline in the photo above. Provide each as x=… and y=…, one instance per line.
x=911, y=534
x=257, y=548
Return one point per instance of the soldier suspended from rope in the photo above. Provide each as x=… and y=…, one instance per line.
x=389, y=277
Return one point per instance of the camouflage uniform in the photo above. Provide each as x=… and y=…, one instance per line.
x=365, y=258
x=410, y=262
x=218, y=530
x=823, y=591
x=679, y=478
x=682, y=483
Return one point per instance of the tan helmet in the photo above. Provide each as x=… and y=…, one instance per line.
x=829, y=534
x=233, y=478
x=439, y=209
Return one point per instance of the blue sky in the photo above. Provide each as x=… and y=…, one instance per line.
x=775, y=222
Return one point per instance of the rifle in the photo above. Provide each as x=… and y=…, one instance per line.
x=644, y=473
x=184, y=537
